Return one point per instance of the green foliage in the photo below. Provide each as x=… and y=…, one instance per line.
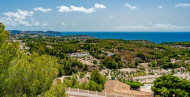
x=56, y=91
x=71, y=66
x=92, y=85
x=110, y=63
x=85, y=67
x=153, y=64
x=141, y=55
x=4, y=35
x=31, y=75
x=84, y=86
x=8, y=54
x=101, y=66
x=136, y=63
x=21, y=74
x=164, y=91
x=186, y=44
x=117, y=58
x=95, y=62
x=169, y=65
x=82, y=74
x=97, y=77
x=134, y=84
x=57, y=49
x=95, y=83
x=74, y=82
x=125, y=51
x=168, y=85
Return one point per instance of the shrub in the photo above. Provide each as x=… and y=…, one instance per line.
x=134, y=84
x=95, y=62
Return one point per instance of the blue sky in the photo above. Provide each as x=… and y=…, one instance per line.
x=96, y=15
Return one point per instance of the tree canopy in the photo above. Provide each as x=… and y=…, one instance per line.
x=168, y=85
x=25, y=75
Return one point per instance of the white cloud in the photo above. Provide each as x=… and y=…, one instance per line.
x=160, y=7
x=159, y=26
x=19, y=18
x=168, y=26
x=130, y=6
x=42, y=9
x=19, y=14
x=64, y=9
x=33, y=22
x=182, y=5
x=63, y=24
x=101, y=6
x=131, y=27
x=164, y=26
x=80, y=9
x=44, y=24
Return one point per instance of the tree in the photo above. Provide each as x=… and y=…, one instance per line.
x=56, y=91
x=22, y=74
x=84, y=85
x=8, y=53
x=82, y=74
x=141, y=55
x=136, y=63
x=95, y=62
x=101, y=66
x=169, y=85
x=93, y=86
x=31, y=75
x=120, y=65
x=153, y=64
x=85, y=67
x=117, y=58
x=134, y=84
x=97, y=77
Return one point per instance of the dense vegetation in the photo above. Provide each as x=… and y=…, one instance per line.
x=185, y=44
x=31, y=72
x=168, y=85
x=134, y=84
x=126, y=53
x=96, y=82
x=26, y=75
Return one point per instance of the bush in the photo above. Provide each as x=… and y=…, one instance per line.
x=95, y=62
x=101, y=66
x=97, y=77
x=82, y=74
x=85, y=67
x=134, y=84
x=55, y=91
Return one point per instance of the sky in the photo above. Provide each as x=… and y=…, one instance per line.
x=96, y=15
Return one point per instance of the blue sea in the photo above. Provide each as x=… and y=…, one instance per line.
x=157, y=37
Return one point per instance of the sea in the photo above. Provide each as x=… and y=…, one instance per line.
x=156, y=37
